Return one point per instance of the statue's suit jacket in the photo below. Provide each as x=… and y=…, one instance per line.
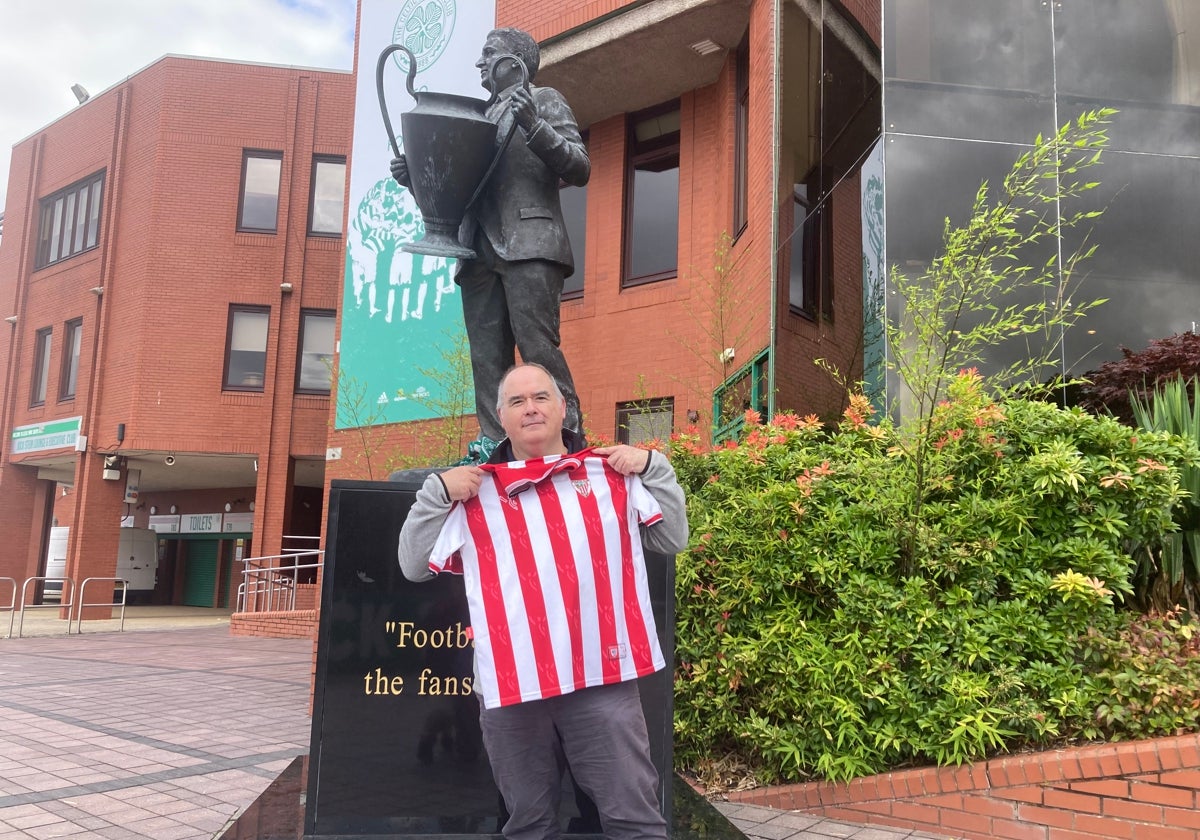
x=519, y=210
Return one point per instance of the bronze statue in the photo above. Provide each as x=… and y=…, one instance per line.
x=514, y=226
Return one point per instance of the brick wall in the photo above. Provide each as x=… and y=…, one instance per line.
x=293, y=624
x=1143, y=790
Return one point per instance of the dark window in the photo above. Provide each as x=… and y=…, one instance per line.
x=72, y=340
x=315, y=371
x=69, y=221
x=258, y=207
x=652, y=196
x=810, y=280
x=246, y=348
x=41, y=365
x=643, y=421
x=741, y=138
x=574, y=210
x=327, y=200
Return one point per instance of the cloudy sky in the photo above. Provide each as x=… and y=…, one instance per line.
x=48, y=45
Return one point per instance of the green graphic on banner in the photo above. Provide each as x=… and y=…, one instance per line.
x=425, y=27
x=401, y=309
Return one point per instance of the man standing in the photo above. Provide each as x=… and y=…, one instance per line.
x=511, y=290
x=548, y=535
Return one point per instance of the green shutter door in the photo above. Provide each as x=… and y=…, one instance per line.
x=200, y=579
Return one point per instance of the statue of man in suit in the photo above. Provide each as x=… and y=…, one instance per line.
x=511, y=291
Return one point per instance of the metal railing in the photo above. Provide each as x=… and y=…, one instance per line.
x=66, y=600
x=269, y=583
x=124, y=584
x=12, y=605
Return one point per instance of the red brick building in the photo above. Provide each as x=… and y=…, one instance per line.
x=169, y=275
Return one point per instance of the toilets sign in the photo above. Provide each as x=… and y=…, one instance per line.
x=200, y=523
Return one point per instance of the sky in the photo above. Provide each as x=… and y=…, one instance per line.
x=48, y=45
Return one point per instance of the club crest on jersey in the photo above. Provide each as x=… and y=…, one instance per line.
x=583, y=487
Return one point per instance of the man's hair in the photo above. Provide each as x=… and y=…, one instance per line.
x=500, y=390
x=521, y=44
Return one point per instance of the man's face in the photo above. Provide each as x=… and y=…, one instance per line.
x=532, y=414
x=507, y=73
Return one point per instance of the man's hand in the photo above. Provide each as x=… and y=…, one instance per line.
x=524, y=111
x=462, y=483
x=399, y=168
x=625, y=459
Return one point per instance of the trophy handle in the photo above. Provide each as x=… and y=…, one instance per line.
x=412, y=73
x=507, y=137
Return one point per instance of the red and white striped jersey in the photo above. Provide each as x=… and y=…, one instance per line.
x=551, y=557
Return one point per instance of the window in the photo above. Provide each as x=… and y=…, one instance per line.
x=652, y=196
x=315, y=371
x=69, y=221
x=810, y=281
x=246, y=348
x=258, y=209
x=41, y=365
x=327, y=201
x=645, y=420
x=741, y=138
x=72, y=339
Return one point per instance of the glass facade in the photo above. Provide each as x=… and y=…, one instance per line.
x=969, y=84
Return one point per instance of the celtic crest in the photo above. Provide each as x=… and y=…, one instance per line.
x=424, y=26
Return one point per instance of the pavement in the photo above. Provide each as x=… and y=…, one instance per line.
x=170, y=729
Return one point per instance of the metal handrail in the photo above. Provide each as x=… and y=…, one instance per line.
x=12, y=605
x=270, y=585
x=63, y=601
x=82, y=603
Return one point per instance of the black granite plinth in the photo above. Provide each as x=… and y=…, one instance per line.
x=278, y=814
x=396, y=748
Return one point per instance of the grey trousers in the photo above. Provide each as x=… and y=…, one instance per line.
x=603, y=736
x=510, y=306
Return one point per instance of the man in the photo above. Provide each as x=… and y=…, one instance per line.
x=511, y=291
x=534, y=506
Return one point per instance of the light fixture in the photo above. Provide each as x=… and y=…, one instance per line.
x=705, y=47
x=174, y=509
x=228, y=507
x=97, y=290
x=153, y=509
x=285, y=287
x=251, y=506
x=80, y=93
x=12, y=319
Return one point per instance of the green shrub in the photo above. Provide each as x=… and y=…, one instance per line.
x=828, y=626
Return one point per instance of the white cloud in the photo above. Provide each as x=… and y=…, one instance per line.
x=48, y=45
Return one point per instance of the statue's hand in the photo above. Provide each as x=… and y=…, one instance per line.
x=399, y=168
x=523, y=109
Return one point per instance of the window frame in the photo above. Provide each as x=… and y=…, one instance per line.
x=234, y=310
x=60, y=238
x=39, y=381
x=247, y=156
x=312, y=196
x=68, y=380
x=647, y=151
x=741, y=137
x=644, y=407
x=305, y=314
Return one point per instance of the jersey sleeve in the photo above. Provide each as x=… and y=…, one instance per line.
x=445, y=555
x=646, y=506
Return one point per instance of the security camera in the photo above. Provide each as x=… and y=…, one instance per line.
x=169, y=460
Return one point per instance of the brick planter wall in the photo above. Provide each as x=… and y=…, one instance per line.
x=291, y=624
x=1143, y=790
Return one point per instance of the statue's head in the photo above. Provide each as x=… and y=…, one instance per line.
x=509, y=40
